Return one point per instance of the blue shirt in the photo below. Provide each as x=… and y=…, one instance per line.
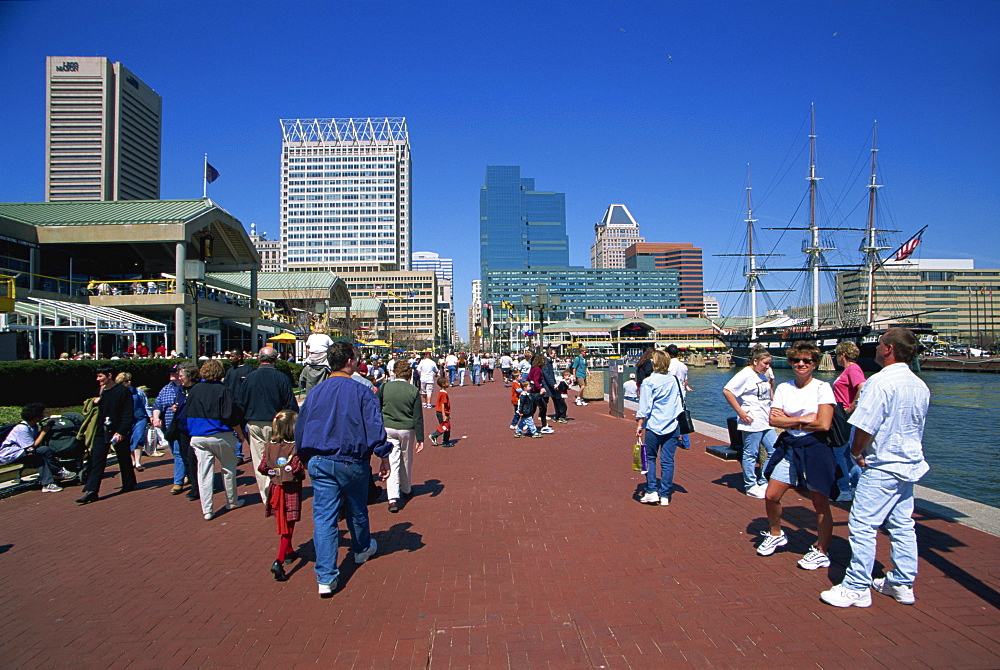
x=660, y=403
x=341, y=419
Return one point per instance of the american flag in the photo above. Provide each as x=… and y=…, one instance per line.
x=908, y=247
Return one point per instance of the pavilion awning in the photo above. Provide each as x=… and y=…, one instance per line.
x=35, y=313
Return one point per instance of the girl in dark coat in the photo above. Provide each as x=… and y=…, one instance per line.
x=284, y=493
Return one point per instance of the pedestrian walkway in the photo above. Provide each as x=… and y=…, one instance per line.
x=512, y=554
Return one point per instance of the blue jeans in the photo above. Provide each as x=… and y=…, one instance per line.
x=475, y=374
x=525, y=425
x=179, y=473
x=662, y=447
x=849, y=482
x=751, y=448
x=332, y=482
x=452, y=371
x=881, y=497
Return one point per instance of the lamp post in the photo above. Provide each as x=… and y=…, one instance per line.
x=540, y=301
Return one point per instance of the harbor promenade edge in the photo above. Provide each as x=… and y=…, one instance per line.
x=511, y=554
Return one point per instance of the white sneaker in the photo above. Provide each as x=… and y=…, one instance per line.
x=771, y=542
x=326, y=590
x=650, y=498
x=664, y=501
x=841, y=596
x=209, y=516
x=814, y=560
x=51, y=488
x=236, y=505
x=365, y=555
x=901, y=592
x=513, y=426
x=756, y=491
x=65, y=474
x=547, y=430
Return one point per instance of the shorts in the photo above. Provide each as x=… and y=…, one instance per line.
x=786, y=472
x=427, y=388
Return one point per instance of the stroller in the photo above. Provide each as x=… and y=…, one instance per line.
x=62, y=439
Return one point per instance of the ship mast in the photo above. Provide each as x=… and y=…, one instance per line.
x=814, y=250
x=870, y=247
x=751, y=274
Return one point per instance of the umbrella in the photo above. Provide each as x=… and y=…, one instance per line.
x=283, y=337
x=378, y=343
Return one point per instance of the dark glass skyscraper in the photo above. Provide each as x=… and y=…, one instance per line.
x=520, y=228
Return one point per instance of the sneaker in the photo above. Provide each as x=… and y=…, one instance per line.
x=236, y=505
x=536, y=434
x=66, y=474
x=901, y=592
x=393, y=506
x=157, y=453
x=513, y=426
x=561, y=419
x=176, y=489
x=664, y=501
x=756, y=491
x=434, y=441
x=650, y=498
x=365, y=555
x=547, y=430
x=518, y=434
x=771, y=542
x=209, y=516
x=51, y=488
x=841, y=596
x=326, y=590
x=814, y=560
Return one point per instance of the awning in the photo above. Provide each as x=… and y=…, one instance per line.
x=591, y=333
x=63, y=316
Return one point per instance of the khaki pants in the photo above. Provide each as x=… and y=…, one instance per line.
x=220, y=446
x=260, y=435
x=400, y=461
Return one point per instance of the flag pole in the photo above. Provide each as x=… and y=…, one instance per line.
x=204, y=178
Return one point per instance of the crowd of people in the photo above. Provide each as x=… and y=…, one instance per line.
x=857, y=440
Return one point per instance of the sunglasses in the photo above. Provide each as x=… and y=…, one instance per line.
x=793, y=361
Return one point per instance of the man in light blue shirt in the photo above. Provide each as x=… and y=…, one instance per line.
x=889, y=427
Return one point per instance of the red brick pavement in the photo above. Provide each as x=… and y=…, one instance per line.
x=514, y=553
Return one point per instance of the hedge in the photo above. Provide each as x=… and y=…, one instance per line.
x=65, y=383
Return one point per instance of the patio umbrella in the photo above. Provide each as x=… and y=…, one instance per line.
x=283, y=337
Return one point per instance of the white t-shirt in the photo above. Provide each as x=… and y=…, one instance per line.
x=630, y=388
x=316, y=346
x=506, y=362
x=428, y=370
x=679, y=370
x=451, y=359
x=753, y=393
x=799, y=402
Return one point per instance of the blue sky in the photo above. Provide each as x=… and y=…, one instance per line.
x=660, y=105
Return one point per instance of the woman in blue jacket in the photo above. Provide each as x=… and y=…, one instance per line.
x=659, y=405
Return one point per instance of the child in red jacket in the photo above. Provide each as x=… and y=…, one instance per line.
x=284, y=493
x=443, y=410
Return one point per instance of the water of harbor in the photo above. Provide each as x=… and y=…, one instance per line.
x=961, y=437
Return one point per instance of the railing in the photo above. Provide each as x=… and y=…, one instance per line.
x=130, y=287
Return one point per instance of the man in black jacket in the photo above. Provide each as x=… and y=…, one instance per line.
x=265, y=392
x=549, y=382
x=235, y=376
x=114, y=407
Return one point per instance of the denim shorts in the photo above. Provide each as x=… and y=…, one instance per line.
x=785, y=471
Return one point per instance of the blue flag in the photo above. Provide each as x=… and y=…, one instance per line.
x=211, y=174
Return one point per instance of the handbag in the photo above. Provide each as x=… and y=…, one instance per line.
x=684, y=421
x=639, y=462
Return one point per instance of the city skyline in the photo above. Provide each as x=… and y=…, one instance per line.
x=657, y=106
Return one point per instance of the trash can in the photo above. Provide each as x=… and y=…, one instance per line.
x=595, y=385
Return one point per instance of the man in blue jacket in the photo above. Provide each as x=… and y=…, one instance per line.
x=339, y=427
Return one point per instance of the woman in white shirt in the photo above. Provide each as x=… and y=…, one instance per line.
x=803, y=407
x=750, y=393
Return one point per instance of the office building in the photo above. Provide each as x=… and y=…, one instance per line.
x=615, y=232
x=102, y=132
x=682, y=257
x=269, y=250
x=711, y=306
x=959, y=301
x=476, y=315
x=345, y=194
x=411, y=300
x=428, y=260
x=520, y=227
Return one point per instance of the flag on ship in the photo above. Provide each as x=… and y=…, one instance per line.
x=908, y=247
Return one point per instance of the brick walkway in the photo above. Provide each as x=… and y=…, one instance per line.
x=514, y=553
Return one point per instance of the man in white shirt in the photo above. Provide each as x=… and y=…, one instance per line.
x=428, y=371
x=889, y=427
x=630, y=388
x=24, y=443
x=680, y=370
x=506, y=364
x=451, y=365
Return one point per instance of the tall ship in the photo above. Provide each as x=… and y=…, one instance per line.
x=863, y=327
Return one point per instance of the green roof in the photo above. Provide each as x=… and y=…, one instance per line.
x=280, y=281
x=90, y=213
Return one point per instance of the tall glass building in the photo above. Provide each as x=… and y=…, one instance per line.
x=345, y=194
x=520, y=227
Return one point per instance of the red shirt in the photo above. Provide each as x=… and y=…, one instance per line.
x=443, y=404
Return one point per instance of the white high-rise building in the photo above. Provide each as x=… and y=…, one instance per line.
x=428, y=260
x=102, y=132
x=269, y=250
x=612, y=235
x=345, y=194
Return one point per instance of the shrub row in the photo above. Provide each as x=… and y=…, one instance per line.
x=64, y=383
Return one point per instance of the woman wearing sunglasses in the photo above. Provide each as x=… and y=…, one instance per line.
x=803, y=407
